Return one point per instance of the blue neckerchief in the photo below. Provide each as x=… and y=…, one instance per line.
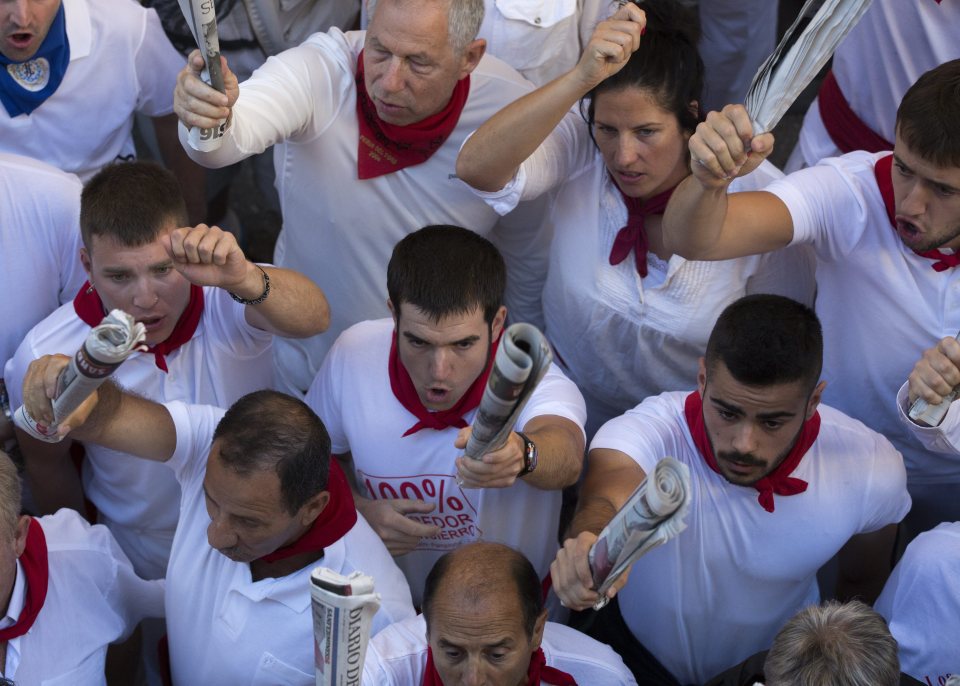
x=24, y=86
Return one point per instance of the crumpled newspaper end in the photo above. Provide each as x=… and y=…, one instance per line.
x=114, y=338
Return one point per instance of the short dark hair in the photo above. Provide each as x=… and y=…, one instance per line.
x=131, y=202
x=487, y=569
x=927, y=116
x=269, y=430
x=767, y=339
x=667, y=65
x=447, y=270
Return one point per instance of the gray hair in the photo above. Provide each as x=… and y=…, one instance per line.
x=9, y=495
x=463, y=21
x=834, y=644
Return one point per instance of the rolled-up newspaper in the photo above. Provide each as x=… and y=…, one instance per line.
x=201, y=16
x=926, y=414
x=794, y=63
x=651, y=516
x=522, y=360
x=107, y=345
x=343, y=610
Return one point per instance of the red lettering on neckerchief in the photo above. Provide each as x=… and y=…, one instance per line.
x=34, y=564
x=633, y=236
x=537, y=673
x=89, y=307
x=779, y=480
x=385, y=148
x=332, y=524
x=403, y=389
x=846, y=129
x=883, y=170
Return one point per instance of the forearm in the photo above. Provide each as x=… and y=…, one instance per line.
x=694, y=219
x=560, y=446
x=192, y=177
x=294, y=308
x=593, y=513
x=53, y=479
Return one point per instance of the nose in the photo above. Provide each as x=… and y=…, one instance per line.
x=441, y=364
x=145, y=296
x=472, y=674
x=914, y=203
x=20, y=13
x=219, y=535
x=745, y=438
x=626, y=153
x=391, y=81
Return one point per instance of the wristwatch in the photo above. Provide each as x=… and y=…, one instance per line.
x=529, y=455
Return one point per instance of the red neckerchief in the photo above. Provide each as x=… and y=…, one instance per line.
x=883, y=171
x=779, y=480
x=89, y=307
x=34, y=563
x=332, y=524
x=385, y=148
x=846, y=129
x=634, y=235
x=537, y=672
x=403, y=389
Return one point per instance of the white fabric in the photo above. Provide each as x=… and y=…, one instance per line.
x=622, y=338
x=225, y=628
x=120, y=63
x=304, y=100
x=921, y=603
x=352, y=396
x=894, y=43
x=138, y=499
x=93, y=599
x=397, y=656
x=39, y=245
x=881, y=305
x=944, y=438
x=720, y=591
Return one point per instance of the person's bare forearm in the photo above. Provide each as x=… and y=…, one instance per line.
x=693, y=222
x=294, y=308
x=560, y=445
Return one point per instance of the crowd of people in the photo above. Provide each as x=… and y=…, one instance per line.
x=444, y=168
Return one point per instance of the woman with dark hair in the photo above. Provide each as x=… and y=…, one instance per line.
x=627, y=318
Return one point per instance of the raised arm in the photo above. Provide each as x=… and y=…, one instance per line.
x=490, y=158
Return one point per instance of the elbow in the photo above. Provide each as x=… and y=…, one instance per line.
x=472, y=172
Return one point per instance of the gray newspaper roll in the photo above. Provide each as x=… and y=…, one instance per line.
x=521, y=361
x=343, y=610
x=201, y=16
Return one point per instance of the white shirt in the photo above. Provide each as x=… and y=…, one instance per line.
x=39, y=245
x=880, y=304
x=120, y=63
x=921, y=603
x=621, y=337
x=138, y=499
x=304, y=100
x=352, y=396
x=225, y=628
x=397, y=656
x=94, y=598
x=721, y=590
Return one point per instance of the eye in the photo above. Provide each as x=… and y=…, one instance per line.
x=901, y=168
x=165, y=269
x=416, y=343
x=465, y=345
x=452, y=654
x=605, y=130
x=118, y=278
x=726, y=415
x=643, y=133
x=944, y=191
x=419, y=67
x=772, y=424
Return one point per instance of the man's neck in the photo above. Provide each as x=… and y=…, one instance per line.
x=260, y=569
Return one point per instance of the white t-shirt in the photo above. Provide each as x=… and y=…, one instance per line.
x=39, y=245
x=120, y=63
x=138, y=499
x=621, y=337
x=880, y=304
x=721, y=590
x=225, y=628
x=893, y=44
x=352, y=396
x=921, y=603
x=340, y=230
x=397, y=656
x=93, y=599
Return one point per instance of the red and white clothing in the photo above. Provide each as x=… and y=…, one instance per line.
x=622, y=337
x=93, y=598
x=398, y=654
x=921, y=603
x=892, y=45
x=353, y=397
x=226, y=628
x=721, y=590
x=340, y=230
x=121, y=62
x=224, y=360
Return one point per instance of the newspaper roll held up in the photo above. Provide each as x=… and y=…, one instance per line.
x=652, y=515
x=107, y=345
x=343, y=610
x=201, y=16
x=521, y=361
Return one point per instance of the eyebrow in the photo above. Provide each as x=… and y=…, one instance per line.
x=124, y=270
x=413, y=337
x=415, y=55
x=503, y=643
x=910, y=169
x=783, y=414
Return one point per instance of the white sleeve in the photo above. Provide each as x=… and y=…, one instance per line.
x=324, y=397
x=790, y=272
x=647, y=433
x=884, y=488
x=939, y=439
x=131, y=598
x=228, y=323
x=157, y=64
x=556, y=395
x=194, y=425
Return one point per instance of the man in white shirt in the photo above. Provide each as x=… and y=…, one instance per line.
x=884, y=228
x=431, y=363
x=66, y=592
x=262, y=503
x=778, y=487
x=365, y=154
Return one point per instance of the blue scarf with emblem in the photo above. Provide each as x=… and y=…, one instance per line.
x=24, y=86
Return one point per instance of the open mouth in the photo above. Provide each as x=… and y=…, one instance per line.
x=438, y=395
x=908, y=230
x=20, y=39
x=151, y=323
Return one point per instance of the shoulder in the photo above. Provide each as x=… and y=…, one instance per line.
x=363, y=341
x=586, y=659
x=62, y=331
x=30, y=174
x=335, y=46
x=67, y=532
x=841, y=433
x=397, y=654
x=493, y=85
